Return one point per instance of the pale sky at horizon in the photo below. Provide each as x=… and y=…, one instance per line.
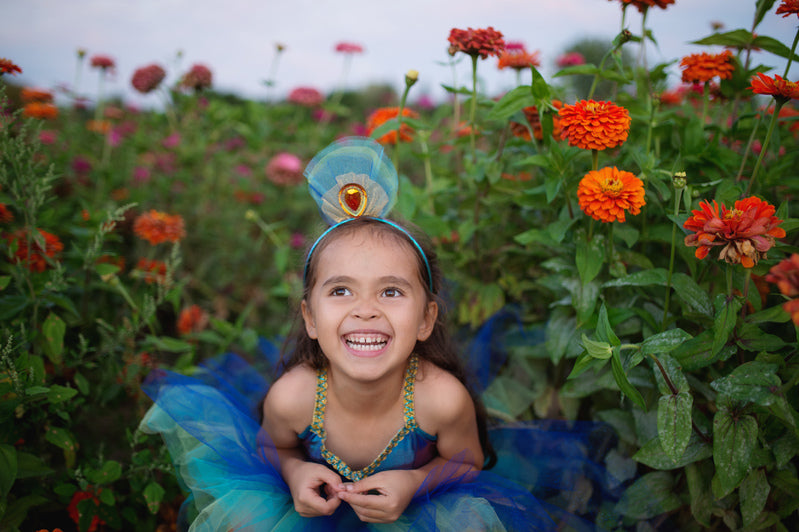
x=236, y=39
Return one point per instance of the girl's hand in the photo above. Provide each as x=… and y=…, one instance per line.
x=307, y=482
x=382, y=497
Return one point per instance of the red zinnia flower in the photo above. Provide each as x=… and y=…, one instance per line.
x=147, y=78
x=153, y=271
x=35, y=256
x=5, y=215
x=198, y=77
x=593, y=125
x=702, y=67
x=157, y=227
x=74, y=513
x=103, y=62
x=518, y=59
x=285, y=169
x=746, y=231
x=8, y=67
x=643, y=5
x=777, y=87
x=306, y=96
x=384, y=114
x=192, y=319
x=533, y=118
x=606, y=194
x=786, y=276
x=32, y=94
x=788, y=8
x=349, y=48
x=43, y=111
x=479, y=42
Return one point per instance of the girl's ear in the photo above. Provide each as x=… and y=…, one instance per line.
x=428, y=322
x=310, y=322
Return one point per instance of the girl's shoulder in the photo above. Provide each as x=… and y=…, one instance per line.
x=292, y=396
x=439, y=397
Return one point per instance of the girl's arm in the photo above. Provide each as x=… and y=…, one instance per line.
x=286, y=413
x=444, y=408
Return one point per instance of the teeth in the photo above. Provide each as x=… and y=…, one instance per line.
x=363, y=342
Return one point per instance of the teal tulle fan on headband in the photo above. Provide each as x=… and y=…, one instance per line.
x=350, y=178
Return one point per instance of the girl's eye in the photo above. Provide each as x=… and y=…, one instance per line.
x=339, y=291
x=392, y=292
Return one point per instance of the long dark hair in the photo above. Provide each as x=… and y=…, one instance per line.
x=439, y=348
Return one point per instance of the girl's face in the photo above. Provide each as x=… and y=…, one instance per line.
x=368, y=307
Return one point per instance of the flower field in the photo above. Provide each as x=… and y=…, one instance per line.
x=632, y=244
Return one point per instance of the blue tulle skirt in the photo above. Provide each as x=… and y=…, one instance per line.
x=546, y=477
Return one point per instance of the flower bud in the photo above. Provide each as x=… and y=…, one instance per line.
x=679, y=181
x=411, y=77
x=251, y=215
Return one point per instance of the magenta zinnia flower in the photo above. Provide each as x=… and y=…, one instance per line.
x=479, y=42
x=103, y=62
x=285, y=169
x=307, y=96
x=198, y=77
x=349, y=48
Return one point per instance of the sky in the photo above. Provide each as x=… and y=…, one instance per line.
x=237, y=39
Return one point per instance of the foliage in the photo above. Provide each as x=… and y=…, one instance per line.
x=692, y=361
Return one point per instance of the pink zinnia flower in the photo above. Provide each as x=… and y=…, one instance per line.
x=48, y=136
x=171, y=141
x=285, y=169
x=147, y=78
x=349, y=48
x=198, y=77
x=570, y=59
x=103, y=62
x=307, y=96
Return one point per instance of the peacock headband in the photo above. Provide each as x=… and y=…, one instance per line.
x=350, y=179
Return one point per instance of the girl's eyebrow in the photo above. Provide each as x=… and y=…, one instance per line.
x=388, y=279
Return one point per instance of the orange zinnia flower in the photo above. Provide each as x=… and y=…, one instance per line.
x=8, y=67
x=192, y=319
x=606, y=194
x=384, y=114
x=788, y=8
x=531, y=114
x=479, y=42
x=43, y=111
x=157, y=227
x=592, y=125
x=153, y=271
x=34, y=257
x=746, y=231
x=32, y=94
x=777, y=87
x=518, y=59
x=785, y=275
x=700, y=68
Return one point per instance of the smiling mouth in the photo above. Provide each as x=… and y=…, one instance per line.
x=366, y=342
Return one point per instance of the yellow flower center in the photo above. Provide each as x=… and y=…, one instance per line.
x=612, y=186
x=733, y=214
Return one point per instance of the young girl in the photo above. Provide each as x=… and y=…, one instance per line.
x=370, y=422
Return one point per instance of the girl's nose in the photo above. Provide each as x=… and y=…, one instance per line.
x=365, y=309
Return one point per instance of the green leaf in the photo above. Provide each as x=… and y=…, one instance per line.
x=153, y=495
x=763, y=7
x=691, y=294
x=649, y=496
x=82, y=383
x=165, y=343
x=652, y=454
x=59, y=394
x=8, y=468
x=508, y=396
x=737, y=39
x=590, y=256
x=54, y=329
x=734, y=441
x=585, y=69
x=751, y=338
x=4, y=280
x=583, y=363
x=656, y=276
x=12, y=305
x=60, y=438
x=604, y=332
x=774, y=46
x=621, y=380
x=699, y=490
x=513, y=101
x=559, y=332
x=663, y=342
x=674, y=423
x=752, y=382
x=105, y=268
x=108, y=474
x=31, y=465
x=534, y=160
x=753, y=495
x=774, y=314
x=724, y=322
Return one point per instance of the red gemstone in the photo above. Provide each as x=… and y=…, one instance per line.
x=353, y=199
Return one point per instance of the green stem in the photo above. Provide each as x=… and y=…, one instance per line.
x=779, y=102
x=473, y=109
x=705, y=102
x=594, y=160
x=677, y=197
x=790, y=56
x=748, y=148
